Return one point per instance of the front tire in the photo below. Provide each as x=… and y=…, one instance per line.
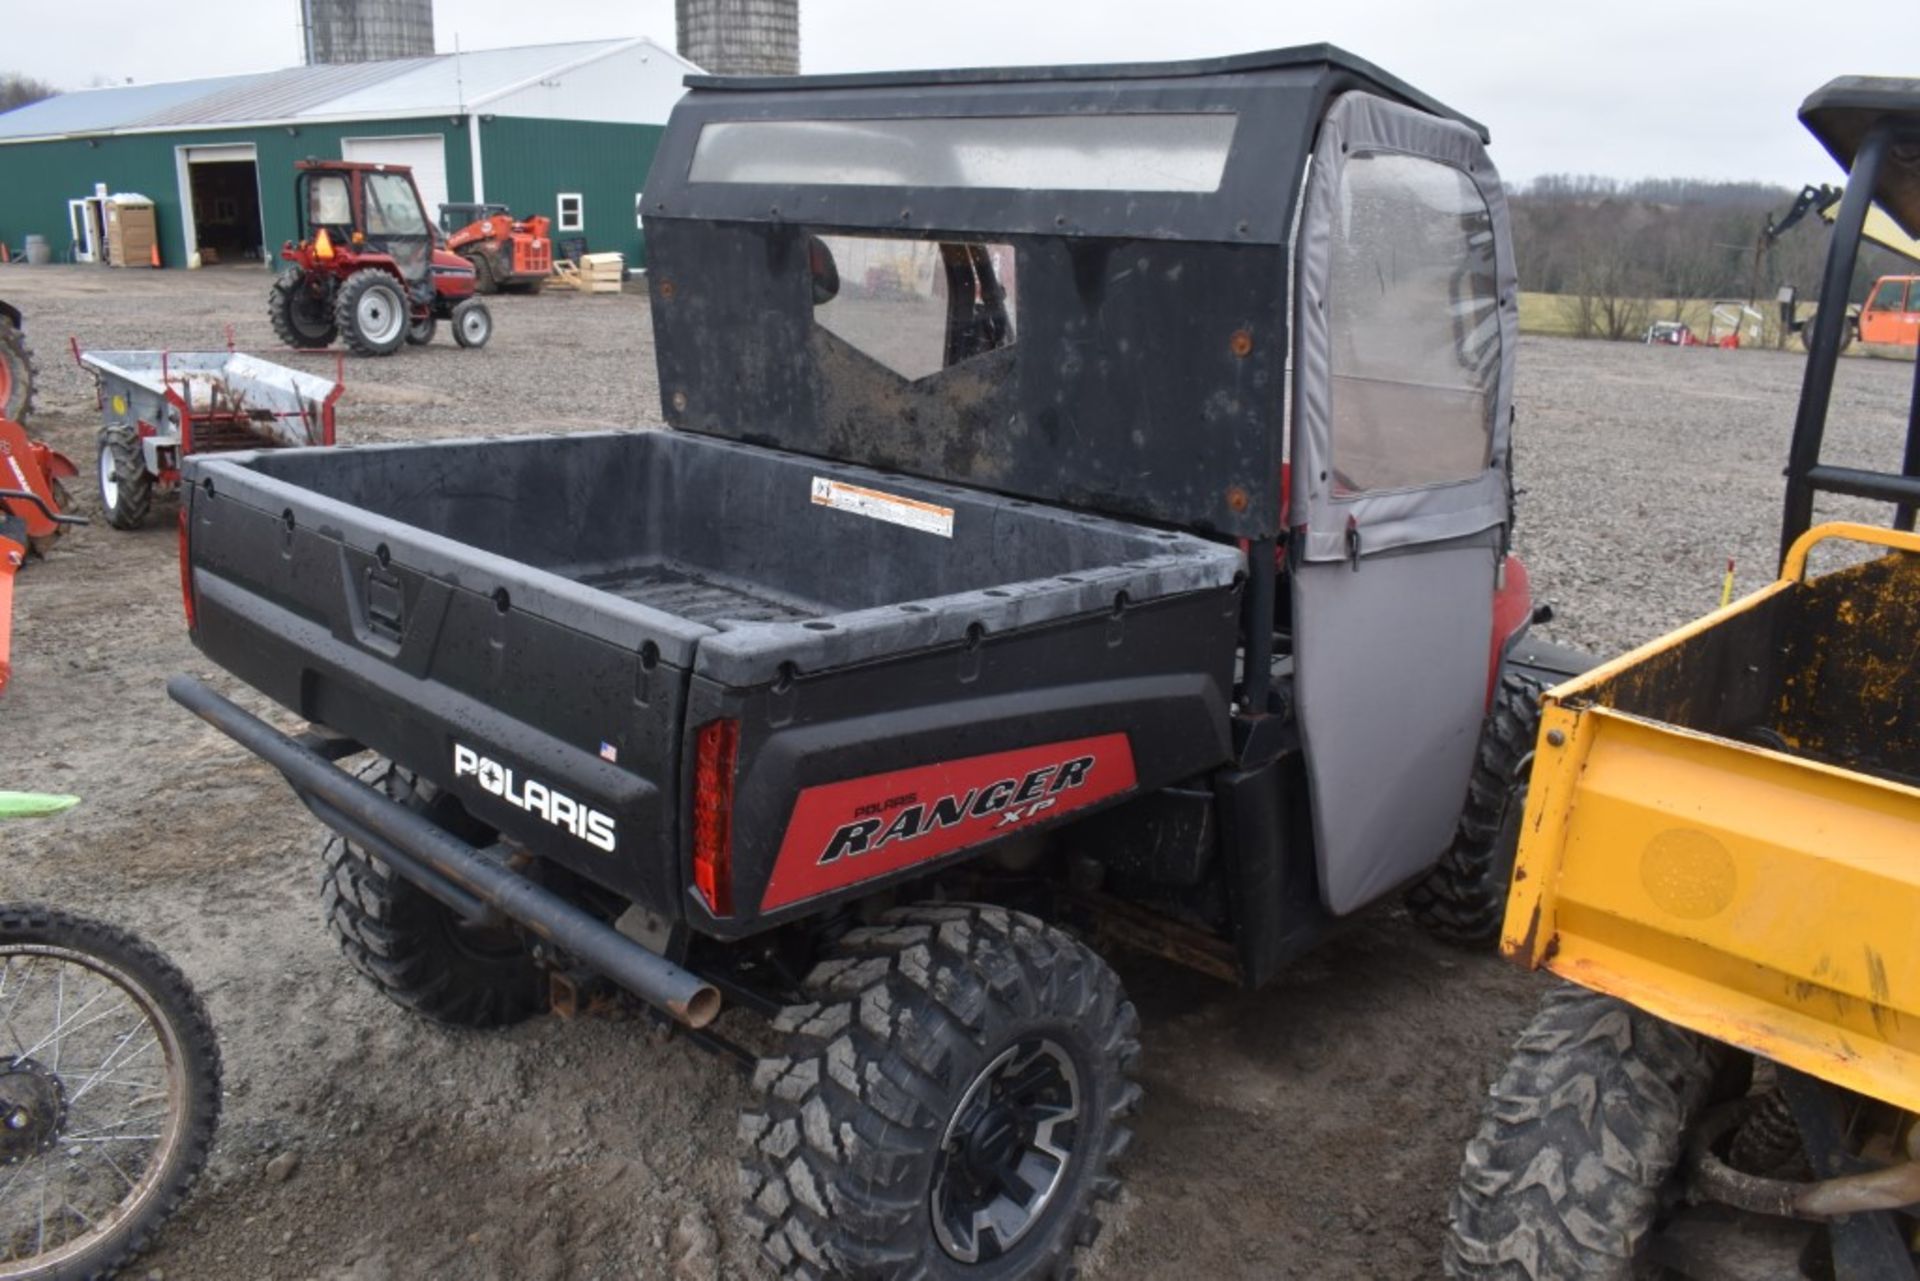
x=484, y=281
x=472, y=323
x=1463, y=899
x=1567, y=1174
x=955, y=1061
x=414, y=948
x=126, y=487
x=166, y=1093
x=372, y=312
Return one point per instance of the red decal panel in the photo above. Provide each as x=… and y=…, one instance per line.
x=851, y=831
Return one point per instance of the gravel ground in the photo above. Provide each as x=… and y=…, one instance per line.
x=1309, y=1130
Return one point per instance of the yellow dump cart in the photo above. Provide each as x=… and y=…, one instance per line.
x=1721, y=854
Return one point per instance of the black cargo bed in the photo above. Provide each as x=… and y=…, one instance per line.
x=734, y=560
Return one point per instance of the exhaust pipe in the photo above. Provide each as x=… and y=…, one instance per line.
x=478, y=883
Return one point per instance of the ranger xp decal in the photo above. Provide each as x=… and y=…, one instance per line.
x=536, y=798
x=851, y=831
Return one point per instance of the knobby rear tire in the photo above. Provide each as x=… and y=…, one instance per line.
x=414, y=948
x=299, y=319
x=841, y=1150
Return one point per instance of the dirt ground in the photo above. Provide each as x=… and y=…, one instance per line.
x=1309, y=1130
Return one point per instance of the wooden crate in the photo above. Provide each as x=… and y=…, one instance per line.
x=602, y=273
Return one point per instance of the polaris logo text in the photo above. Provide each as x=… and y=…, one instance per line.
x=535, y=797
x=1013, y=800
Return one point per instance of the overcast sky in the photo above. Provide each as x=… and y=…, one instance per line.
x=1627, y=88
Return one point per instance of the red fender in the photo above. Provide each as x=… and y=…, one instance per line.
x=1512, y=612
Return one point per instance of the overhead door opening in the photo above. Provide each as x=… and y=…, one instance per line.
x=226, y=211
x=220, y=192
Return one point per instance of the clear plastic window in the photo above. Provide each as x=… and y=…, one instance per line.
x=916, y=306
x=1182, y=151
x=392, y=208
x=328, y=204
x=1414, y=325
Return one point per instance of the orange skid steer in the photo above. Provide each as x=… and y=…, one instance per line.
x=511, y=255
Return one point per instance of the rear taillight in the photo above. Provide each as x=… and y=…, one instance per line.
x=186, y=570
x=716, y=750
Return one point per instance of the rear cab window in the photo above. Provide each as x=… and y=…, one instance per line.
x=328, y=204
x=1413, y=307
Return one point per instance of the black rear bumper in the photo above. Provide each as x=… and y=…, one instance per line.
x=448, y=868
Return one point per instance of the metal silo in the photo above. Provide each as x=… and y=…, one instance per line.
x=740, y=37
x=366, y=30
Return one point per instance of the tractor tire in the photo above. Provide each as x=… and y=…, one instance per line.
x=484, y=279
x=472, y=323
x=300, y=320
x=414, y=948
x=18, y=370
x=942, y=1050
x=421, y=332
x=1463, y=900
x=372, y=312
x=126, y=487
x=1569, y=1170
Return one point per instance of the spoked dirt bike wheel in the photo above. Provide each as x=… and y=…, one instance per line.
x=109, y=1091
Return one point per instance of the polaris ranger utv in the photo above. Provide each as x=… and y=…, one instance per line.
x=1084, y=521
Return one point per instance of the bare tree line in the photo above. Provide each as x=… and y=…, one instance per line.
x=1622, y=254
x=17, y=89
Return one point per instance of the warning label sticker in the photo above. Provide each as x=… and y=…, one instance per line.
x=892, y=508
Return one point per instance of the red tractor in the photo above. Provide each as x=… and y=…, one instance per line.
x=368, y=267
x=509, y=255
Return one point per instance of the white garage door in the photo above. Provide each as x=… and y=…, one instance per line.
x=427, y=155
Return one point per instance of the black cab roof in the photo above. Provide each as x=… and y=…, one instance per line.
x=942, y=150
x=1327, y=56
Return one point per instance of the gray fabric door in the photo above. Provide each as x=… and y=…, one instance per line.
x=1404, y=335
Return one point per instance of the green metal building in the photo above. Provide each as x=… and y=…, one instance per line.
x=565, y=130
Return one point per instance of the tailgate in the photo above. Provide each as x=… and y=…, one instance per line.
x=550, y=709
x=1736, y=888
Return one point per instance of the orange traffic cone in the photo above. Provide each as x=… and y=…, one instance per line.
x=156, y=253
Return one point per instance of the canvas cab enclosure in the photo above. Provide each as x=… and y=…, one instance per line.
x=1267, y=299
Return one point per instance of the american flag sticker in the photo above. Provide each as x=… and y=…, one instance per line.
x=608, y=752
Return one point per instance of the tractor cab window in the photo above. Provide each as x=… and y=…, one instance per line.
x=392, y=207
x=915, y=306
x=328, y=203
x=1890, y=296
x=1413, y=318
